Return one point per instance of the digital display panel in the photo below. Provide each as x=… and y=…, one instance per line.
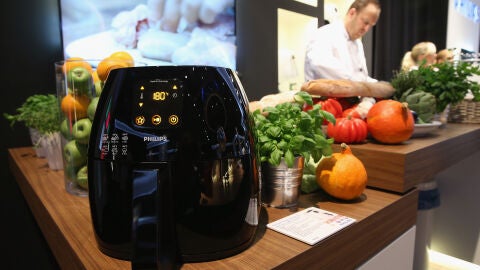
x=158, y=104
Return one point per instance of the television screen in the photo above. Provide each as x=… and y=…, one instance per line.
x=154, y=32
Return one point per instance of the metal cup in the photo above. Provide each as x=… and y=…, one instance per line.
x=280, y=184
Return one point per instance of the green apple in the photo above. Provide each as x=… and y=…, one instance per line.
x=92, y=107
x=81, y=130
x=80, y=80
x=75, y=154
x=66, y=129
x=98, y=87
x=82, y=177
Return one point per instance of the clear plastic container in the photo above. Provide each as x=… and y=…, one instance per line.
x=78, y=89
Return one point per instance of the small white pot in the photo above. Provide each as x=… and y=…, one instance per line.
x=53, y=150
x=35, y=137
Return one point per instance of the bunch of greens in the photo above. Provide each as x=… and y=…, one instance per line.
x=449, y=82
x=404, y=81
x=41, y=112
x=286, y=131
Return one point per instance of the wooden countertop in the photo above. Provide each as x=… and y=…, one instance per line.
x=65, y=221
x=401, y=167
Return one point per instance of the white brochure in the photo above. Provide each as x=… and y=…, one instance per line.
x=311, y=225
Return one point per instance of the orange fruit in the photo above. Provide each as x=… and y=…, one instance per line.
x=74, y=62
x=108, y=64
x=125, y=56
x=342, y=175
x=390, y=121
x=75, y=106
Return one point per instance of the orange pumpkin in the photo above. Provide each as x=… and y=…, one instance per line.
x=342, y=175
x=390, y=122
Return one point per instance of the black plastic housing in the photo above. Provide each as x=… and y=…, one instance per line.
x=171, y=166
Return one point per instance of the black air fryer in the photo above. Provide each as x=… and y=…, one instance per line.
x=171, y=168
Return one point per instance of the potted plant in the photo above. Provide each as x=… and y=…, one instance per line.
x=286, y=138
x=41, y=114
x=286, y=131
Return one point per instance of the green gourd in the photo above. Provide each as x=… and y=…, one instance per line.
x=423, y=103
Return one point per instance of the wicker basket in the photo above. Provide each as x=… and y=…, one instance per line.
x=467, y=111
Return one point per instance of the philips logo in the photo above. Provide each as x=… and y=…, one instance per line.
x=155, y=139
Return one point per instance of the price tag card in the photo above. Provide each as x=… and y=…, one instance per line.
x=311, y=225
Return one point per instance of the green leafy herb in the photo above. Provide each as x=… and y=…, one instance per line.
x=285, y=131
x=449, y=82
x=404, y=81
x=41, y=112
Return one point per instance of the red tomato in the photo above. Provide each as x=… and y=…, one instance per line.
x=330, y=105
x=348, y=130
x=351, y=112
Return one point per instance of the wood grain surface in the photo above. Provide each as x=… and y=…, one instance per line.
x=400, y=167
x=65, y=221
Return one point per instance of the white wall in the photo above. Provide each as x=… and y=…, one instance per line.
x=336, y=9
x=294, y=29
x=462, y=32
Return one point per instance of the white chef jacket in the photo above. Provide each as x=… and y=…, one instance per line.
x=330, y=54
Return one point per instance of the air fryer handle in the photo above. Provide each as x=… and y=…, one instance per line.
x=153, y=227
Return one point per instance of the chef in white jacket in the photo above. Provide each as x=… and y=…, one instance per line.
x=336, y=50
